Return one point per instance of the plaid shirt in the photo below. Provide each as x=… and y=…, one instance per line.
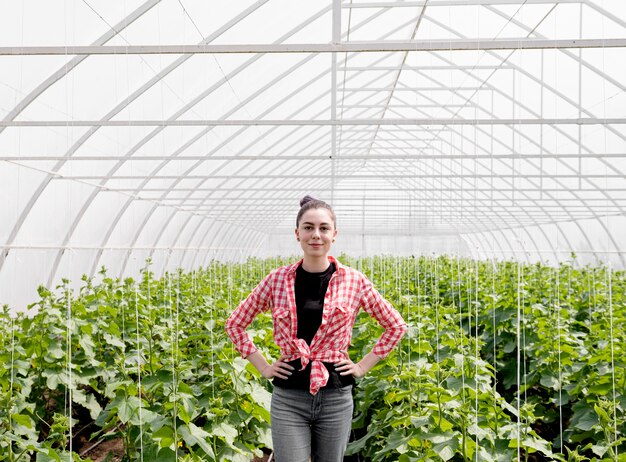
x=348, y=290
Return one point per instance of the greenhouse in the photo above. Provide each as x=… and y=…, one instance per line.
x=153, y=156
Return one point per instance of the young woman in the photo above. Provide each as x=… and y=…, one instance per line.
x=314, y=304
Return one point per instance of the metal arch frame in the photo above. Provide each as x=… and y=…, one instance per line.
x=157, y=130
x=463, y=136
x=321, y=74
x=561, y=96
x=578, y=105
x=232, y=110
x=514, y=129
x=488, y=199
x=203, y=132
x=75, y=61
x=574, y=218
x=520, y=224
x=83, y=139
x=131, y=18
x=606, y=77
x=199, y=135
x=583, y=200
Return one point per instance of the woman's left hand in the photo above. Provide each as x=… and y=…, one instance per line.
x=347, y=367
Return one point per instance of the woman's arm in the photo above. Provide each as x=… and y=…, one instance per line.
x=389, y=318
x=347, y=367
x=259, y=300
x=279, y=369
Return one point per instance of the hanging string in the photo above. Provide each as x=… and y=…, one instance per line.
x=139, y=361
x=493, y=326
x=12, y=379
x=558, y=336
x=518, y=371
x=69, y=394
x=476, y=354
x=609, y=269
x=612, y=342
x=459, y=283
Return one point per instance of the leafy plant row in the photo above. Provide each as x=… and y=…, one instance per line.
x=503, y=361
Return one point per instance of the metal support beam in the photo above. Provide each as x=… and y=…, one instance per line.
x=371, y=176
x=344, y=157
x=306, y=122
x=341, y=47
x=436, y=3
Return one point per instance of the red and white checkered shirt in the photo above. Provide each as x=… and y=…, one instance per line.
x=348, y=290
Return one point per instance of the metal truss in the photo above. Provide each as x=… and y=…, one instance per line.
x=378, y=155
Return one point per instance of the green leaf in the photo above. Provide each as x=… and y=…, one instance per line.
x=23, y=420
x=88, y=401
x=587, y=420
x=445, y=446
x=194, y=435
x=166, y=455
x=165, y=436
x=226, y=431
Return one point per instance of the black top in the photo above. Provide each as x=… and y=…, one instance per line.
x=310, y=290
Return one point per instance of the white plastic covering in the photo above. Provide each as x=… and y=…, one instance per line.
x=492, y=129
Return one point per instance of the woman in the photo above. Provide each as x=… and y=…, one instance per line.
x=314, y=304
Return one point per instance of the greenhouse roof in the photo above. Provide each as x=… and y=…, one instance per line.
x=185, y=130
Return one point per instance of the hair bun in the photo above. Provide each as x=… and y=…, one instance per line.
x=306, y=199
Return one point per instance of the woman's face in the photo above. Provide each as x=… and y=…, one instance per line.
x=316, y=232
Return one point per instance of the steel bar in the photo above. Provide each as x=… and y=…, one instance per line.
x=341, y=47
x=374, y=190
x=305, y=122
x=401, y=203
x=436, y=3
x=342, y=157
x=371, y=176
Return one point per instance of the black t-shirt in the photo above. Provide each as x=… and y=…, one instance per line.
x=310, y=290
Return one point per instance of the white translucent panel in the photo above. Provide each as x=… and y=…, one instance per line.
x=112, y=259
x=152, y=226
x=94, y=170
x=23, y=271
x=123, y=232
x=160, y=263
x=29, y=23
x=135, y=261
x=190, y=234
x=596, y=24
x=17, y=186
x=270, y=22
x=169, y=232
x=52, y=215
x=20, y=75
x=38, y=141
x=22, y=80
x=170, y=263
x=72, y=264
x=97, y=219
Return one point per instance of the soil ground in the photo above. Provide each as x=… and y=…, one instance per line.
x=114, y=450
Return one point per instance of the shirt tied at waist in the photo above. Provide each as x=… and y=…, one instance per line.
x=319, y=373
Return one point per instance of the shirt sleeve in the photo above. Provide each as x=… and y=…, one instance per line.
x=259, y=300
x=386, y=315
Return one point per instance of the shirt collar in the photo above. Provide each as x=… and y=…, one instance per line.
x=291, y=269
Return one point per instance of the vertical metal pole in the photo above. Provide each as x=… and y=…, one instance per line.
x=580, y=99
x=333, y=94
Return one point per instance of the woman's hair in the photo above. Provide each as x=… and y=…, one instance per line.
x=308, y=203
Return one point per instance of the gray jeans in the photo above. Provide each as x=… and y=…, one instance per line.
x=306, y=426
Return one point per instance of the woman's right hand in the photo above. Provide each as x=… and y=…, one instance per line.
x=279, y=369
